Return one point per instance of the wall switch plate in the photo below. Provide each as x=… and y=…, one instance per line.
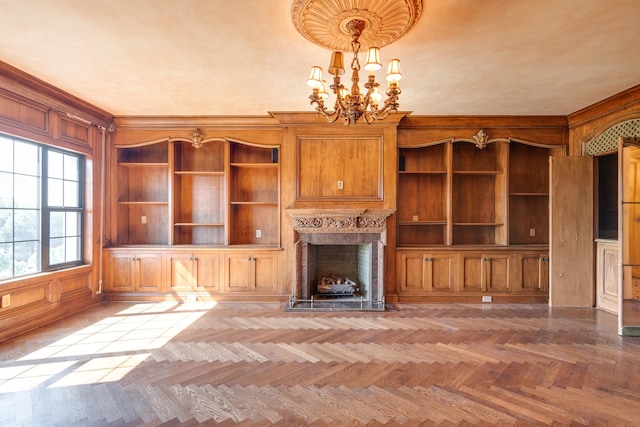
x=5, y=301
x=143, y=219
x=340, y=185
x=258, y=234
x=415, y=218
x=532, y=232
x=487, y=298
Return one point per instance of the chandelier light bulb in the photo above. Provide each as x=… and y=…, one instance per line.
x=375, y=93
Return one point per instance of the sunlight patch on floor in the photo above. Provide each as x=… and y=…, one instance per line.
x=104, y=351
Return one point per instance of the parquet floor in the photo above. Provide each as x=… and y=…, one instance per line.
x=122, y=364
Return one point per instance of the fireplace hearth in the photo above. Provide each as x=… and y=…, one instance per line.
x=339, y=259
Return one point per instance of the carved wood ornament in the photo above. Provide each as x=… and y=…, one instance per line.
x=325, y=22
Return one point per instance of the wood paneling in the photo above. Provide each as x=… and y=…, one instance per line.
x=323, y=162
x=24, y=113
x=72, y=131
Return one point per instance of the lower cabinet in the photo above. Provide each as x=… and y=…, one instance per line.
x=189, y=272
x=134, y=272
x=466, y=273
x=254, y=272
x=426, y=272
x=167, y=273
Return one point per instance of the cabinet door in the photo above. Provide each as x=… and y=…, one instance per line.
x=535, y=273
x=266, y=272
x=208, y=272
x=181, y=271
x=411, y=272
x=485, y=273
x=471, y=273
x=496, y=273
x=607, y=273
x=122, y=275
x=439, y=272
x=251, y=272
x=149, y=272
x=239, y=272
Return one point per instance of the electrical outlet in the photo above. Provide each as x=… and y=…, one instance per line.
x=486, y=298
x=532, y=232
x=143, y=219
x=258, y=234
x=5, y=301
x=415, y=218
x=340, y=185
x=191, y=298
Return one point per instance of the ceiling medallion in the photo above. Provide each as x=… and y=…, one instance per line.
x=353, y=25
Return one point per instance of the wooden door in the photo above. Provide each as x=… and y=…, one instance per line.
x=181, y=271
x=439, y=272
x=208, y=271
x=471, y=273
x=266, y=272
x=122, y=275
x=495, y=273
x=607, y=273
x=239, y=272
x=629, y=236
x=149, y=272
x=534, y=269
x=571, y=281
x=412, y=273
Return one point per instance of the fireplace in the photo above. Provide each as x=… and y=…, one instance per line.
x=337, y=250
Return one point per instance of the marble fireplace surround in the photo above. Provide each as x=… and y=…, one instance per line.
x=339, y=227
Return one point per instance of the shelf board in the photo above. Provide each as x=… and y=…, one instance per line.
x=477, y=224
x=422, y=172
x=142, y=203
x=478, y=172
x=142, y=164
x=254, y=165
x=255, y=203
x=211, y=173
x=422, y=222
x=198, y=224
x=527, y=194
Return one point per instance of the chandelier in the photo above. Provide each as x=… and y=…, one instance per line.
x=351, y=104
x=343, y=25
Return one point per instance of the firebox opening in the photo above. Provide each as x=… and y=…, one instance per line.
x=340, y=271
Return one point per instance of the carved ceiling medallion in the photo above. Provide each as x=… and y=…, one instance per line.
x=324, y=22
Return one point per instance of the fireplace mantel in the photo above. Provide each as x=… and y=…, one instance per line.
x=366, y=228
x=339, y=220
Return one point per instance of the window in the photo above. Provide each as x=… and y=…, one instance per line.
x=41, y=208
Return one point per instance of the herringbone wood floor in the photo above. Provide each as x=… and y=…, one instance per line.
x=253, y=364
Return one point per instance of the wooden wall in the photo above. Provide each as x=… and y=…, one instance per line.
x=34, y=110
x=594, y=120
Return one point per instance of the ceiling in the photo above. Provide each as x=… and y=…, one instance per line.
x=245, y=57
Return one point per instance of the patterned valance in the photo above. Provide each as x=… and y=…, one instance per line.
x=608, y=140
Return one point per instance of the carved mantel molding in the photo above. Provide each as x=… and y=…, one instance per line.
x=339, y=220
